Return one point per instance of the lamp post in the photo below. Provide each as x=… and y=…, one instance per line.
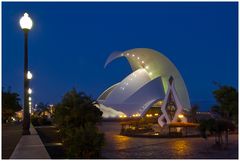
x=26, y=25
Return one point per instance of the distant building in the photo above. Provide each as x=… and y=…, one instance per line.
x=19, y=115
x=154, y=85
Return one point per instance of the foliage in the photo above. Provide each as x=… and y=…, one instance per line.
x=10, y=104
x=76, y=117
x=42, y=107
x=38, y=120
x=83, y=142
x=215, y=109
x=217, y=127
x=41, y=116
x=193, y=113
x=227, y=99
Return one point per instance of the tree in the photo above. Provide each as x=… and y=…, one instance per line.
x=227, y=99
x=217, y=127
x=76, y=117
x=41, y=116
x=193, y=113
x=41, y=107
x=10, y=104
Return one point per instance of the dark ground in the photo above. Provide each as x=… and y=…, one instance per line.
x=11, y=134
x=52, y=141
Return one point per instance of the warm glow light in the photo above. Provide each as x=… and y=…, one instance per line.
x=180, y=116
x=133, y=55
x=29, y=75
x=146, y=67
x=136, y=115
x=156, y=114
x=29, y=91
x=30, y=99
x=138, y=58
x=127, y=54
x=142, y=61
x=122, y=116
x=26, y=22
x=149, y=115
x=150, y=73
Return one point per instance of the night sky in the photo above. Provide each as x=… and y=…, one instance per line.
x=70, y=42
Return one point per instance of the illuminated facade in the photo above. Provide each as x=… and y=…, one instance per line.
x=155, y=81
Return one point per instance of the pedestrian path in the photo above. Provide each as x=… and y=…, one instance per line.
x=30, y=147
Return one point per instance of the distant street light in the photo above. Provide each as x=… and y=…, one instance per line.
x=29, y=91
x=26, y=24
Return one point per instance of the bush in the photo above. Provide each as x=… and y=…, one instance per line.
x=40, y=120
x=76, y=117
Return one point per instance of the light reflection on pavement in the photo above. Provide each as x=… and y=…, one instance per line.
x=123, y=147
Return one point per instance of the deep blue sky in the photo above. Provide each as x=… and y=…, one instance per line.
x=70, y=42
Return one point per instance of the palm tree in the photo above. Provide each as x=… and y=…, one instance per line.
x=193, y=113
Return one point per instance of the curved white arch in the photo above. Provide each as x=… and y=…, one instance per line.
x=104, y=95
x=150, y=104
x=156, y=65
x=127, y=87
x=147, y=94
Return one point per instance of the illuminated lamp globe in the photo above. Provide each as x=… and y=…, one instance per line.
x=29, y=91
x=29, y=75
x=26, y=22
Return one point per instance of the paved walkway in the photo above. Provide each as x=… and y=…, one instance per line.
x=30, y=147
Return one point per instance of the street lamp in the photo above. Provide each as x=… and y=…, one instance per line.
x=26, y=24
x=29, y=75
x=29, y=91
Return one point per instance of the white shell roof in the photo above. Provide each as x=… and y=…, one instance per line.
x=150, y=68
x=127, y=87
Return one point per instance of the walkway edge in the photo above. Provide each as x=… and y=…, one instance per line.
x=30, y=147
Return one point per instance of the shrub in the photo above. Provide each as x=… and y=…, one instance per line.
x=76, y=117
